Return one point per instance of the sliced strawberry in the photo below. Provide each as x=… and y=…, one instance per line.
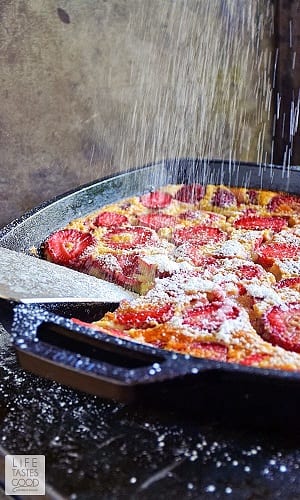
x=129, y=237
x=213, y=350
x=289, y=283
x=254, y=359
x=199, y=235
x=252, y=196
x=143, y=316
x=128, y=276
x=268, y=252
x=190, y=193
x=248, y=271
x=202, y=216
x=260, y=222
x=192, y=215
x=223, y=198
x=195, y=254
x=123, y=270
x=281, y=326
x=241, y=288
x=110, y=331
x=101, y=266
x=136, y=273
x=66, y=247
x=209, y=317
x=109, y=219
x=200, y=260
x=156, y=199
x=128, y=263
x=284, y=203
x=157, y=220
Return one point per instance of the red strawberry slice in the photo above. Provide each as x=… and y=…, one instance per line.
x=128, y=275
x=66, y=247
x=281, y=326
x=254, y=359
x=289, y=283
x=199, y=235
x=195, y=254
x=129, y=237
x=109, y=219
x=213, y=350
x=241, y=289
x=135, y=272
x=284, y=203
x=110, y=331
x=157, y=221
x=190, y=193
x=249, y=272
x=191, y=215
x=252, y=196
x=200, y=260
x=209, y=317
x=260, y=222
x=202, y=216
x=144, y=317
x=128, y=263
x=156, y=199
x=267, y=253
x=223, y=198
x=123, y=270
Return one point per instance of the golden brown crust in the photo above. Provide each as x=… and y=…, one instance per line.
x=204, y=270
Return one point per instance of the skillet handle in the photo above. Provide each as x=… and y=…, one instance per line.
x=57, y=348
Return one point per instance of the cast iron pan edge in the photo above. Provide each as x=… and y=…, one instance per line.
x=151, y=375
x=35, y=225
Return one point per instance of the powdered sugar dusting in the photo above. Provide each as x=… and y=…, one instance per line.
x=205, y=268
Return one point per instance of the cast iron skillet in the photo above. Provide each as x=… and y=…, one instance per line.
x=50, y=345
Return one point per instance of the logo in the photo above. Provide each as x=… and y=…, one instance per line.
x=25, y=474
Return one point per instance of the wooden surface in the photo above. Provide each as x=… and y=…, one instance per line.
x=94, y=87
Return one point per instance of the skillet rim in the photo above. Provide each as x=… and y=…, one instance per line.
x=269, y=373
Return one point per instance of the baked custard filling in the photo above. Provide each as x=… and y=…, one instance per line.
x=217, y=270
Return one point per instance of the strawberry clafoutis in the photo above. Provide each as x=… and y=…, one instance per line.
x=217, y=270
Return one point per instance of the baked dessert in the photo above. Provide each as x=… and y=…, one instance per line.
x=217, y=270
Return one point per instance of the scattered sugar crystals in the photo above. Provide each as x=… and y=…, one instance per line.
x=199, y=459
x=210, y=488
x=193, y=456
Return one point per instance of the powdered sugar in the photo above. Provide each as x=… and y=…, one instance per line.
x=165, y=264
x=288, y=268
x=217, y=290
x=231, y=248
x=230, y=326
x=263, y=292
